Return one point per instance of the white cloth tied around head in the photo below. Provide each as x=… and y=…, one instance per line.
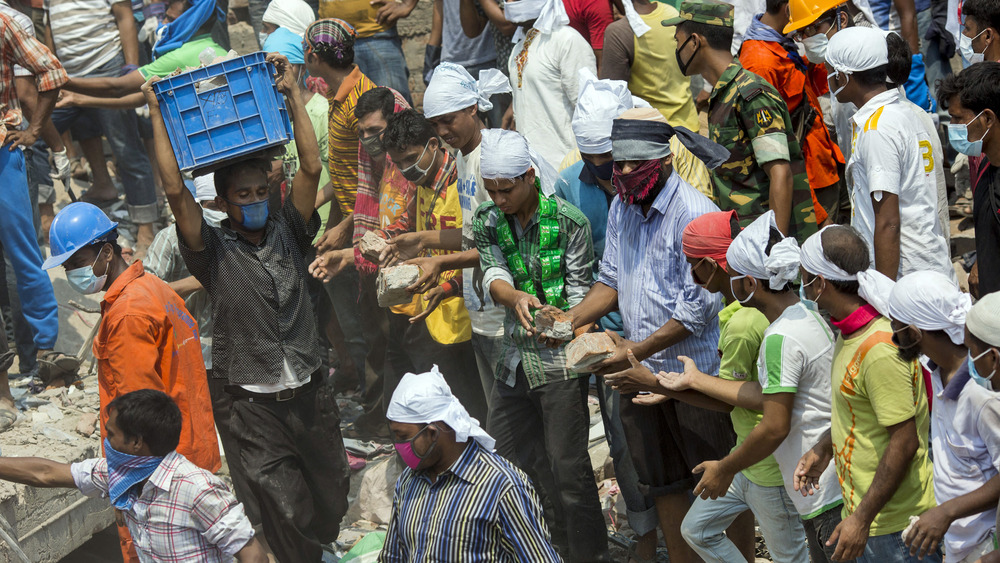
x=597, y=106
x=505, y=155
x=930, y=301
x=874, y=287
x=746, y=254
x=855, y=49
x=452, y=88
x=548, y=15
x=424, y=398
x=294, y=15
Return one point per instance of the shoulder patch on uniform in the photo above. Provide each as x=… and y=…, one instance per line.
x=763, y=117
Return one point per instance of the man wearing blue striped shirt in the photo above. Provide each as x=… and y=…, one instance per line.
x=457, y=500
x=645, y=276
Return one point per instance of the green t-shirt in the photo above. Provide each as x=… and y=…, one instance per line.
x=181, y=58
x=741, y=332
x=874, y=389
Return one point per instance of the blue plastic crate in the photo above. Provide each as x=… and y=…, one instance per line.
x=241, y=117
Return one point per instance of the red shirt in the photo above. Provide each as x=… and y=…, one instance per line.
x=590, y=18
x=148, y=340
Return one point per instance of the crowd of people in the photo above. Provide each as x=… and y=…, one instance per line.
x=748, y=205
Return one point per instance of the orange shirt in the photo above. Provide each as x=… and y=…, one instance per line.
x=148, y=340
x=771, y=62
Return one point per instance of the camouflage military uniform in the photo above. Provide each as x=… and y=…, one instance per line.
x=747, y=116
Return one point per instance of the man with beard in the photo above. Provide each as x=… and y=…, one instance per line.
x=645, y=276
x=879, y=422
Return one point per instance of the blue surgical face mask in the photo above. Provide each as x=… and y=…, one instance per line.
x=969, y=54
x=254, y=214
x=984, y=382
x=84, y=280
x=958, y=136
x=811, y=304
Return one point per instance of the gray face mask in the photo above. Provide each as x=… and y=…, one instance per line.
x=373, y=145
x=414, y=172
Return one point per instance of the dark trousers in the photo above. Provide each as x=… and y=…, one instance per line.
x=456, y=362
x=295, y=461
x=818, y=530
x=553, y=421
x=222, y=407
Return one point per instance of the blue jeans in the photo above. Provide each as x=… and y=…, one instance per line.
x=641, y=510
x=891, y=549
x=380, y=57
x=20, y=245
x=121, y=129
x=705, y=524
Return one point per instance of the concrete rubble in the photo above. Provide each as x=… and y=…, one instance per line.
x=371, y=246
x=588, y=350
x=392, y=283
x=554, y=323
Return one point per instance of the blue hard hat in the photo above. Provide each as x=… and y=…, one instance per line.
x=76, y=226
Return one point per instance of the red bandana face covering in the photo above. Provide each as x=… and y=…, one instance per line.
x=635, y=186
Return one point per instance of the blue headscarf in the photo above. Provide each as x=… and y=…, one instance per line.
x=125, y=471
x=181, y=30
x=285, y=42
x=763, y=32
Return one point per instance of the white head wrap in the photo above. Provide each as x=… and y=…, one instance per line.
x=746, y=254
x=597, y=106
x=930, y=301
x=548, y=15
x=425, y=397
x=204, y=187
x=506, y=155
x=294, y=15
x=983, y=320
x=639, y=27
x=855, y=49
x=874, y=287
x=452, y=88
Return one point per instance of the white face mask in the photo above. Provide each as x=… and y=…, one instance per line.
x=214, y=217
x=968, y=53
x=262, y=37
x=733, y=289
x=841, y=89
x=815, y=48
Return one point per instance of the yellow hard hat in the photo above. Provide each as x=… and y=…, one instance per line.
x=804, y=12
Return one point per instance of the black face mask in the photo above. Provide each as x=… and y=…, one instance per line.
x=604, y=171
x=684, y=65
x=373, y=145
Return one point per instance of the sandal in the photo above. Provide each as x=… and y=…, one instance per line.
x=7, y=417
x=56, y=369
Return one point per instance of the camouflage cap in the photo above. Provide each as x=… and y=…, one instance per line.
x=711, y=12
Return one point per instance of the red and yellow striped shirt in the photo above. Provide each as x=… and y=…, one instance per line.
x=343, y=135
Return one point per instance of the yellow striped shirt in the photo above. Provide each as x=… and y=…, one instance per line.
x=343, y=135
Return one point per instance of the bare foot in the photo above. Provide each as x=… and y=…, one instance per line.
x=100, y=192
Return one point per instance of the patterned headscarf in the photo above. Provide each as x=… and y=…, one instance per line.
x=331, y=36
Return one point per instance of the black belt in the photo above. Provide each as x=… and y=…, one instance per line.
x=281, y=396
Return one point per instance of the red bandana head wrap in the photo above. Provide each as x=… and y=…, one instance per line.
x=709, y=235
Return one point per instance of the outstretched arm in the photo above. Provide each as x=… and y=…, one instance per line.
x=36, y=471
x=186, y=210
x=306, y=181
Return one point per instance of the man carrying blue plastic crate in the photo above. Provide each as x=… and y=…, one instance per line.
x=284, y=416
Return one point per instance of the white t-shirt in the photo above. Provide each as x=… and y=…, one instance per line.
x=486, y=316
x=85, y=34
x=937, y=152
x=892, y=152
x=966, y=444
x=545, y=99
x=795, y=357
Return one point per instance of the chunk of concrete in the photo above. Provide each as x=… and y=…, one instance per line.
x=588, y=350
x=371, y=246
x=392, y=283
x=554, y=323
x=87, y=424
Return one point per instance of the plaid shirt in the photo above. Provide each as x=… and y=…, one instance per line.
x=17, y=47
x=541, y=364
x=183, y=513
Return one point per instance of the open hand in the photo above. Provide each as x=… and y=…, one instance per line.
x=430, y=273
x=682, y=381
x=406, y=246
x=619, y=360
x=635, y=378
x=433, y=298
x=523, y=307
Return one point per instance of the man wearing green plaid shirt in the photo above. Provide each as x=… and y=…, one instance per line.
x=537, y=251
